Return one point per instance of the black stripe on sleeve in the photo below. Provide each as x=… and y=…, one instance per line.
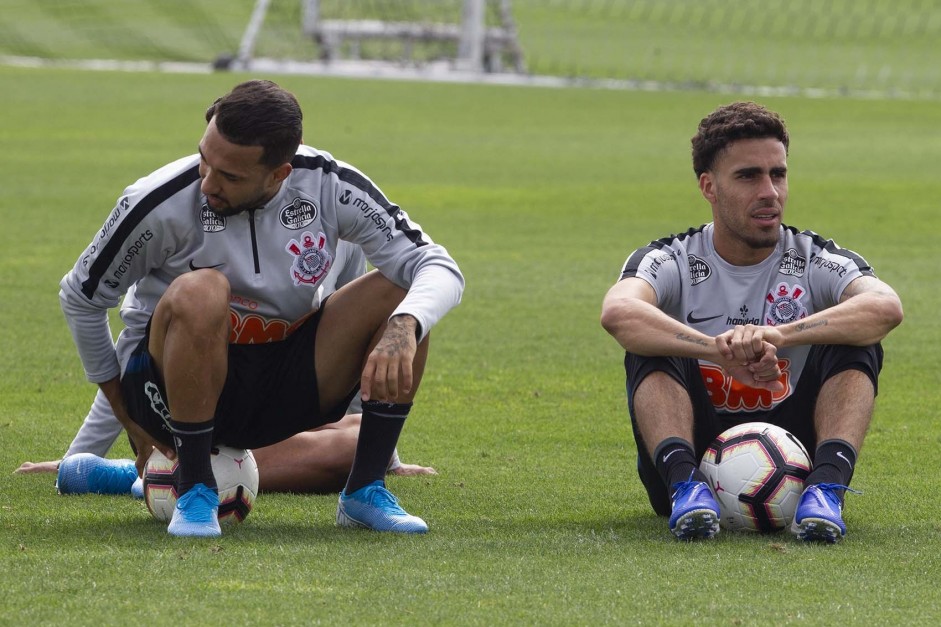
x=130, y=223
x=360, y=182
x=832, y=247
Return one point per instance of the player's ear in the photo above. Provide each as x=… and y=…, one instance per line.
x=707, y=186
x=281, y=172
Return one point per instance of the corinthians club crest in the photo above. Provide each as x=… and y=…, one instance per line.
x=784, y=304
x=311, y=261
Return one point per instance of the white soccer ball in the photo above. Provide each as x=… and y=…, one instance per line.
x=757, y=472
x=236, y=475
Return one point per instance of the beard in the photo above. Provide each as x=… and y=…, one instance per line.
x=227, y=210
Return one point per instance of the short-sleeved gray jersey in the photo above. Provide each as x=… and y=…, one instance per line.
x=276, y=257
x=694, y=285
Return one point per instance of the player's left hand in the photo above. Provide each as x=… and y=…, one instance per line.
x=387, y=375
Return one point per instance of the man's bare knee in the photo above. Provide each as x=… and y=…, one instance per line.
x=201, y=296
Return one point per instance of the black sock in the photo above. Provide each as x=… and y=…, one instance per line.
x=378, y=434
x=675, y=459
x=193, y=452
x=834, y=462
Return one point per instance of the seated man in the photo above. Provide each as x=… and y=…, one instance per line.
x=745, y=319
x=229, y=339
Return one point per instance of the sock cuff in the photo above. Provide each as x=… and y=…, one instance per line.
x=840, y=445
x=387, y=410
x=672, y=443
x=191, y=428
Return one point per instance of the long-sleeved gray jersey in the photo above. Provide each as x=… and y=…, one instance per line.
x=694, y=285
x=276, y=257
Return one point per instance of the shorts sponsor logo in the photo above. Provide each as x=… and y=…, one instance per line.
x=152, y=392
x=211, y=221
x=784, y=304
x=699, y=270
x=792, y=264
x=254, y=329
x=311, y=260
x=298, y=214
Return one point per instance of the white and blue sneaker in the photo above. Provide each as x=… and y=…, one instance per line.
x=374, y=507
x=196, y=514
x=695, y=511
x=85, y=473
x=819, y=515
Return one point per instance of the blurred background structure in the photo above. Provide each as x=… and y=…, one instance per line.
x=860, y=48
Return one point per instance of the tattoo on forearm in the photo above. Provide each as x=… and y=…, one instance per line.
x=803, y=326
x=692, y=340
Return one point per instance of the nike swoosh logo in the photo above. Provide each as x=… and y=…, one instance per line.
x=843, y=457
x=667, y=456
x=690, y=318
x=194, y=267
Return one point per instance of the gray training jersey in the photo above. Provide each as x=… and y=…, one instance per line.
x=276, y=257
x=694, y=285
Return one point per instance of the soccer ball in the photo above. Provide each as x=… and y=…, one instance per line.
x=757, y=472
x=236, y=475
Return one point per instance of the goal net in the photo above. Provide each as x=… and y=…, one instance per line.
x=448, y=35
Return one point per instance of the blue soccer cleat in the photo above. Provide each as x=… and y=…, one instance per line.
x=85, y=473
x=695, y=511
x=196, y=514
x=819, y=515
x=374, y=507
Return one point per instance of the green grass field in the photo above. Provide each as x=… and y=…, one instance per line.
x=537, y=516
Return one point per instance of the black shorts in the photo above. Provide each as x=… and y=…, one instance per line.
x=270, y=391
x=795, y=413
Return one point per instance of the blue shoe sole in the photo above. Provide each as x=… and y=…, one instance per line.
x=817, y=530
x=696, y=524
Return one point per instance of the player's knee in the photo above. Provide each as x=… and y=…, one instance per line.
x=201, y=296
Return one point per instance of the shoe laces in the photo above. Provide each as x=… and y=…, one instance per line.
x=829, y=491
x=198, y=503
x=386, y=501
x=682, y=488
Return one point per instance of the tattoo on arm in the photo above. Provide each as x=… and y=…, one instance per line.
x=692, y=340
x=803, y=326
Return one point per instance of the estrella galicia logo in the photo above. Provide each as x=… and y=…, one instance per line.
x=211, y=221
x=298, y=214
x=345, y=197
x=699, y=270
x=792, y=264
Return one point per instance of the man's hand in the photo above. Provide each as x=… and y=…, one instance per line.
x=751, y=356
x=387, y=375
x=27, y=468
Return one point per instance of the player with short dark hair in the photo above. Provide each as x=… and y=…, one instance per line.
x=229, y=340
x=746, y=319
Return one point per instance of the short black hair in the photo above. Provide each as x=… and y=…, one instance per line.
x=729, y=123
x=260, y=113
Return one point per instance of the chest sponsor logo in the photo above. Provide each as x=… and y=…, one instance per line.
x=298, y=214
x=311, y=260
x=727, y=394
x=211, y=221
x=742, y=318
x=250, y=328
x=699, y=270
x=792, y=264
x=784, y=304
